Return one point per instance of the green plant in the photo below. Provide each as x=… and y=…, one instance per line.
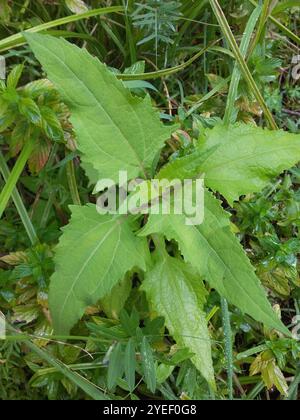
x=95, y=252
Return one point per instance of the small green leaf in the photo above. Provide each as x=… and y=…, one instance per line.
x=148, y=364
x=130, y=323
x=30, y=110
x=163, y=372
x=246, y=158
x=20, y=134
x=116, y=366
x=130, y=364
x=51, y=125
x=14, y=76
x=7, y=117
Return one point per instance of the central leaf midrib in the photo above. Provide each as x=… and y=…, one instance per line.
x=87, y=261
x=139, y=160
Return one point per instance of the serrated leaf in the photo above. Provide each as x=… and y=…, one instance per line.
x=239, y=159
x=26, y=313
x=247, y=158
x=29, y=109
x=14, y=76
x=176, y=292
x=215, y=251
x=51, y=124
x=7, y=117
x=20, y=134
x=38, y=87
x=115, y=130
x=40, y=156
x=93, y=255
x=186, y=167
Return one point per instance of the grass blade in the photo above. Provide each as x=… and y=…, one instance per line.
x=228, y=345
x=280, y=26
x=236, y=75
x=241, y=61
x=14, y=176
x=166, y=72
x=19, y=203
x=261, y=27
x=293, y=390
x=18, y=39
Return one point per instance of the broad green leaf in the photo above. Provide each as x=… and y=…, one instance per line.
x=186, y=167
x=93, y=255
x=241, y=158
x=247, y=158
x=215, y=251
x=176, y=292
x=115, y=130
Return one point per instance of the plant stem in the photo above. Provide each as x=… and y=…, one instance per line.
x=166, y=72
x=18, y=39
x=160, y=245
x=279, y=25
x=14, y=176
x=261, y=27
x=229, y=116
x=255, y=391
x=241, y=61
x=228, y=345
x=72, y=183
x=19, y=203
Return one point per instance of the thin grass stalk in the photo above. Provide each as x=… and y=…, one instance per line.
x=241, y=62
x=280, y=26
x=15, y=175
x=261, y=26
x=228, y=345
x=166, y=72
x=19, y=203
x=229, y=116
x=18, y=39
x=72, y=183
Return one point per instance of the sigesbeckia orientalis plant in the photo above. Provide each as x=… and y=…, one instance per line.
x=117, y=131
